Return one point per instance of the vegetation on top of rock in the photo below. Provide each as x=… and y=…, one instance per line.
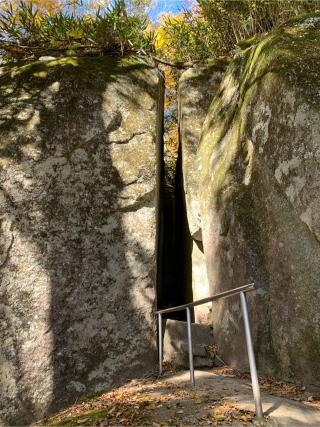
x=31, y=28
x=212, y=28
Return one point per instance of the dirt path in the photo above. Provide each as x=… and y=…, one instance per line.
x=220, y=398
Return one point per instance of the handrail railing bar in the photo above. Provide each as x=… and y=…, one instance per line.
x=252, y=361
x=225, y=294
x=160, y=339
x=244, y=306
x=191, y=366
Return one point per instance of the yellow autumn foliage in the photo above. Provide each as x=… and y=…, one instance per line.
x=43, y=6
x=164, y=41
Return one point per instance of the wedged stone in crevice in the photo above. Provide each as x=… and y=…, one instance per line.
x=197, y=88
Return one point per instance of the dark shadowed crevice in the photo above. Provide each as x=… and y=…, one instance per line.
x=174, y=249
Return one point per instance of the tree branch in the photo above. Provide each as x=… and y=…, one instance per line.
x=179, y=65
x=16, y=49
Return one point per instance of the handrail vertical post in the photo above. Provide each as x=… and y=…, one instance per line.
x=252, y=362
x=192, y=380
x=160, y=341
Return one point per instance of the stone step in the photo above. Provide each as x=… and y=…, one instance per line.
x=181, y=360
x=177, y=330
x=197, y=349
x=176, y=343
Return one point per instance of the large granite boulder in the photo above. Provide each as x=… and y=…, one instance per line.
x=79, y=145
x=259, y=162
x=197, y=87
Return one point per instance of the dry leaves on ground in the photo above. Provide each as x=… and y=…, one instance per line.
x=150, y=403
x=279, y=388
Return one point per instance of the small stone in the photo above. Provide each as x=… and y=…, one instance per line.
x=82, y=420
x=47, y=58
x=310, y=399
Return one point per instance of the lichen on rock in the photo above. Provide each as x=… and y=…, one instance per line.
x=79, y=145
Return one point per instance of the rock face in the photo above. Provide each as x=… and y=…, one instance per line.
x=197, y=87
x=259, y=160
x=79, y=146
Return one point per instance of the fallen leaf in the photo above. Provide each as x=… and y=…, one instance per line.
x=219, y=417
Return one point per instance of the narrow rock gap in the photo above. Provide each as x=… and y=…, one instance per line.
x=174, y=250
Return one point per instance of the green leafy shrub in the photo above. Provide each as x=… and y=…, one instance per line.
x=215, y=27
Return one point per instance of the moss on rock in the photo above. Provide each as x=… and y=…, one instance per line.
x=259, y=161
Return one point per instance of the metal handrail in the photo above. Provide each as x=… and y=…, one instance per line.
x=222, y=295
x=242, y=290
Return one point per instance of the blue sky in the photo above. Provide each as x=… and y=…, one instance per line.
x=172, y=6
